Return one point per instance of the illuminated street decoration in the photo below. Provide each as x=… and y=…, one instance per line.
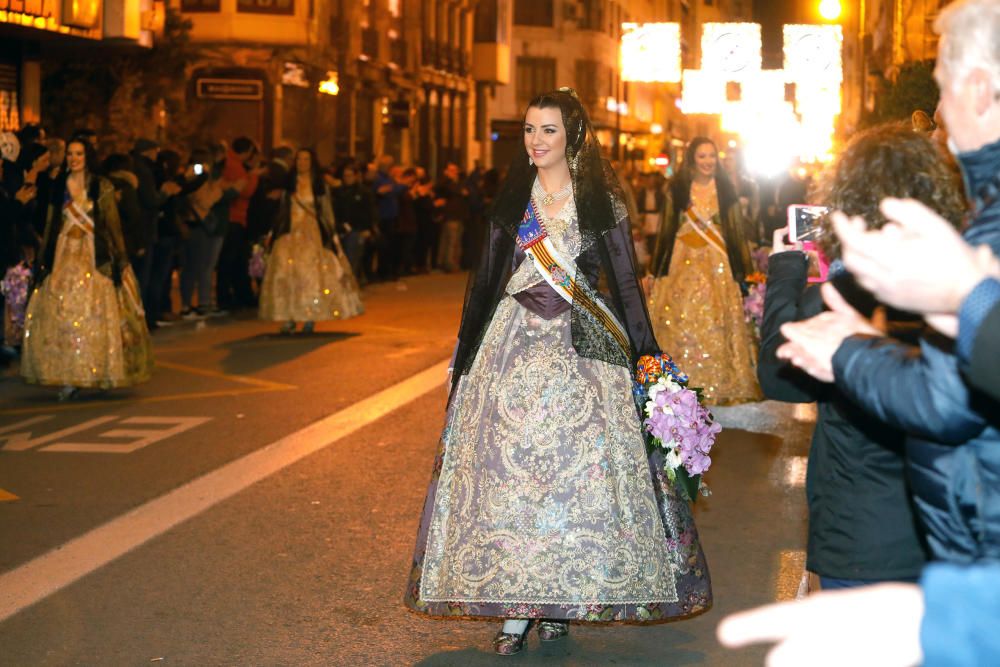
x=774, y=126
x=731, y=48
x=813, y=53
x=704, y=92
x=651, y=52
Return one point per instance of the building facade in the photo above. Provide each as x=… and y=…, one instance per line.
x=348, y=77
x=576, y=43
x=30, y=28
x=879, y=37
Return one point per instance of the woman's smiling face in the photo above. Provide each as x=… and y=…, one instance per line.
x=545, y=136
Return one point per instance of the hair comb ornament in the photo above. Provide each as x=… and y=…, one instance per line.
x=569, y=91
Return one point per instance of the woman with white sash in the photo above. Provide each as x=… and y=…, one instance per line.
x=544, y=506
x=699, y=266
x=85, y=325
x=308, y=277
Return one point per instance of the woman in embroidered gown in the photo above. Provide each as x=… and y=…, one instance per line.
x=85, y=325
x=543, y=505
x=308, y=276
x=699, y=266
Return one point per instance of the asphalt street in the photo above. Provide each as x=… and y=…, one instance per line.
x=257, y=502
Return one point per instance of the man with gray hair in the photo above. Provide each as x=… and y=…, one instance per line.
x=953, y=444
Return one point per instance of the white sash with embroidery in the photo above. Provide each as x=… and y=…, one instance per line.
x=701, y=228
x=560, y=274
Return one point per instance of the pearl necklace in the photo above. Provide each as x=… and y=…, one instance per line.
x=549, y=198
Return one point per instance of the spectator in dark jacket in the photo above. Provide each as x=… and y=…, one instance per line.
x=427, y=227
x=118, y=169
x=453, y=202
x=354, y=211
x=387, y=193
x=406, y=231
x=266, y=199
x=953, y=444
x=861, y=522
x=152, y=192
x=962, y=303
x=233, y=288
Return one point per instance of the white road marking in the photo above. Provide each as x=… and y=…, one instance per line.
x=22, y=440
x=795, y=471
x=49, y=573
x=141, y=437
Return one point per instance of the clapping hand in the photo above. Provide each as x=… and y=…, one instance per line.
x=813, y=342
x=918, y=262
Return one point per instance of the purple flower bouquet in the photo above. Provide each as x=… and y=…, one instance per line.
x=258, y=262
x=14, y=288
x=676, y=422
x=753, y=304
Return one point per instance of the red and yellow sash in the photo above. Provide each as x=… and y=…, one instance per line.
x=560, y=274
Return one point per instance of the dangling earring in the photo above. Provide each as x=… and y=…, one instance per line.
x=530, y=161
x=574, y=161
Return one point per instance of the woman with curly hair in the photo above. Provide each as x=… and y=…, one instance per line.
x=543, y=506
x=85, y=325
x=701, y=261
x=862, y=527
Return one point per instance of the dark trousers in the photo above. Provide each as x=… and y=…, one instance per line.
x=164, y=256
x=233, y=282
x=388, y=251
x=142, y=266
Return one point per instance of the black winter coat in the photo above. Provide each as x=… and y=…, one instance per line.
x=861, y=518
x=953, y=441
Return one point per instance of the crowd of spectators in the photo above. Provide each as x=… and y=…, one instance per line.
x=191, y=218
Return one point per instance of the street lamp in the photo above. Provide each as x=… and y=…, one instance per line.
x=829, y=9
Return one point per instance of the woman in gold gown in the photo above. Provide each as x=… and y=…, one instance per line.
x=308, y=276
x=699, y=266
x=85, y=326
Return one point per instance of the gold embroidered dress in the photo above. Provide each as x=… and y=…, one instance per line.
x=697, y=309
x=305, y=281
x=543, y=502
x=81, y=329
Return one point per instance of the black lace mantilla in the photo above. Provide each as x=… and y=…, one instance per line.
x=607, y=257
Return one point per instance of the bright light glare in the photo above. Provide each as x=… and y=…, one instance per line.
x=330, y=86
x=829, y=9
x=765, y=160
x=651, y=52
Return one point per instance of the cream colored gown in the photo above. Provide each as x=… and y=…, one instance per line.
x=304, y=281
x=80, y=329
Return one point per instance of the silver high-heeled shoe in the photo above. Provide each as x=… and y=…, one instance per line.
x=550, y=631
x=510, y=643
